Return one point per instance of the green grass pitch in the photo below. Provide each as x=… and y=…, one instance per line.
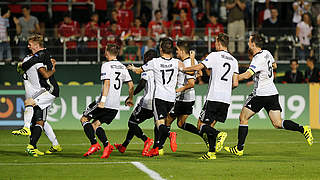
x=269, y=154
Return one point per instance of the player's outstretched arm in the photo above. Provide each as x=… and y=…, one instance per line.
x=246, y=75
x=235, y=80
x=137, y=70
x=189, y=85
x=129, y=100
x=140, y=87
x=197, y=67
x=48, y=73
x=105, y=91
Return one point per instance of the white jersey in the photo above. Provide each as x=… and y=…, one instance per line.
x=261, y=65
x=223, y=66
x=189, y=94
x=146, y=100
x=31, y=80
x=117, y=73
x=165, y=76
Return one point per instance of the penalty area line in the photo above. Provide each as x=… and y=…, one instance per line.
x=153, y=175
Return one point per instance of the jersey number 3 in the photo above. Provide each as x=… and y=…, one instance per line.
x=117, y=86
x=223, y=78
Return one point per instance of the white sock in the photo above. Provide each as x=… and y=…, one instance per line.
x=49, y=132
x=28, y=113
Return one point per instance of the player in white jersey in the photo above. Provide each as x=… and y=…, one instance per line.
x=223, y=78
x=39, y=98
x=165, y=69
x=144, y=109
x=185, y=99
x=105, y=109
x=264, y=95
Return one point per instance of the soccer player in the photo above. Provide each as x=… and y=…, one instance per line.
x=185, y=94
x=224, y=77
x=165, y=69
x=264, y=95
x=41, y=91
x=143, y=111
x=105, y=109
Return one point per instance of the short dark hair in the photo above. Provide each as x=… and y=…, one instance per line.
x=37, y=38
x=113, y=49
x=4, y=10
x=223, y=38
x=294, y=60
x=149, y=55
x=25, y=7
x=166, y=44
x=184, y=45
x=156, y=11
x=257, y=39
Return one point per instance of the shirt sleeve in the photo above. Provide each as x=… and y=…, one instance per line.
x=188, y=64
x=148, y=66
x=254, y=65
x=144, y=76
x=208, y=61
x=128, y=77
x=105, y=72
x=39, y=65
x=236, y=67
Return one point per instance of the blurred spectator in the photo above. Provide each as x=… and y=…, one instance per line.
x=25, y=26
x=127, y=3
x=299, y=7
x=137, y=32
x=271, y=28
x=175, y=25
x=130, y=51
x=41, y=12
x=163, y=9
x=236, y=24
x=264, y=14
x=69, y=31
x=58, y=11
x=157, y=27
x=91, y=32
x=80, y=12
x=212, y=7
x=215, y=28
x=293, y=75
x=125, y=17
x=5, y=50
x=304, y=33
x=150, y=44
x=15, y=9
x=201, y=20
x=181, y=25
x=185, y=4
x=111, y=34
x=101, y=10
x=312, y=74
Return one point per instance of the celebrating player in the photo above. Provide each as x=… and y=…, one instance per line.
x=224, y=77
x=113, y=74
x=143, y=111
x=264, y=95
x=165, y=69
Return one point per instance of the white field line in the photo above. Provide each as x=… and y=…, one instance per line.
x=87, y=144
x=154, y=175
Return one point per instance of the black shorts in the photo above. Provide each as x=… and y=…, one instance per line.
x=39, y=114
x=182, y=108
x=256, y=103
x=104, y=115
x=140, y=114
x=214, y=111
x=161, y=108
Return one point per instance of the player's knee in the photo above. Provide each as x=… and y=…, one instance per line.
x=83, y=119
x=29, y=102
x=180, y=124
x=277, y=125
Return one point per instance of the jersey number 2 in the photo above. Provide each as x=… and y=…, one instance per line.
x=164, y=75
x=228, y=70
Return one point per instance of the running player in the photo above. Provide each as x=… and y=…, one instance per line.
x=143, y=111
x=223, y=78
x=264, y=95
x=165, y=69
x=105, y=109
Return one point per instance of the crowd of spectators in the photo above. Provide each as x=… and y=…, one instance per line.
x=138, y=25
